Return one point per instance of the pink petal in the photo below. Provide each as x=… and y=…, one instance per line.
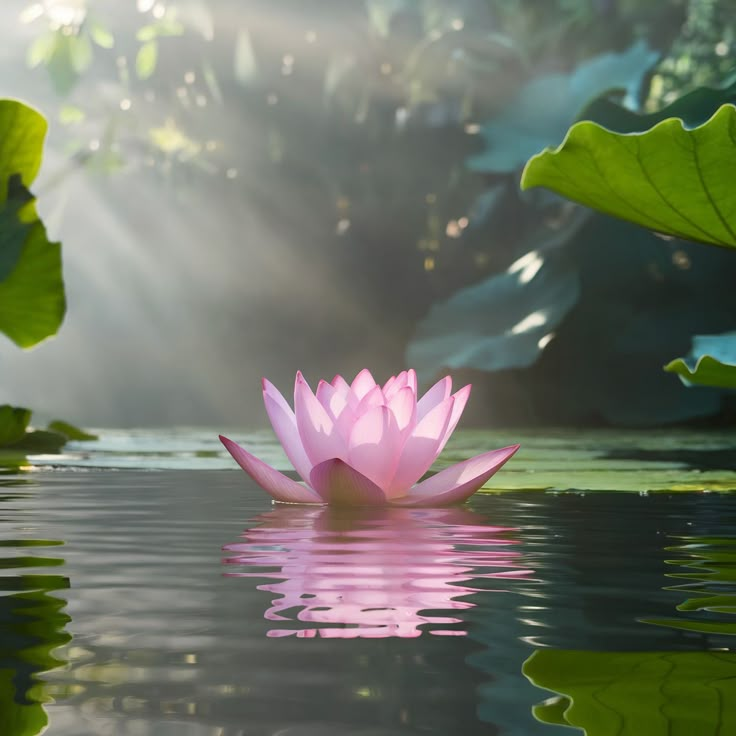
x=276, y=484
x=283, y=422
x=375, y=445
x=363, y=383
x=332, y=399
x=458, y=482
x=389, y=383
x=411, y=379
x=436, y=395
x=396, y=385
x=316, y=428
x=370, y=401
x=341, y=385
x=340, y=485
x=421, y=447
x=461, y=399
x=403, y=405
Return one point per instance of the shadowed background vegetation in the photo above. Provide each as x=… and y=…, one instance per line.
x=248, y=188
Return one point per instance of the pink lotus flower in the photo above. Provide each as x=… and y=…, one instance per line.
x=367, y=445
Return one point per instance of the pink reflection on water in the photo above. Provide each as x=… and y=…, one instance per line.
x=373, y=573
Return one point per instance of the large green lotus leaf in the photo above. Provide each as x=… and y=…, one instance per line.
x=711, y=362
x=547, y=106
x=32, y=300
x=669, y=179
x=694, y=109
x=22, y=133
x=499, y=323
x=502, y=322
x=641, y=693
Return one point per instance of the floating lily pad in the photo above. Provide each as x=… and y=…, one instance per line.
x=669, y=179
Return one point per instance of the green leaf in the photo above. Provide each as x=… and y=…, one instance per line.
x=62, y=65
x=81, y=53
x=70, y=431
x=145, y=62
x=13, y=423
x=711, y=362
x=669, y=179
x=70, y=114
x=14, y=224
x=504, y=321
x=41, y=50
x=147, y=33
x=636, y=693
x=547, y=106
x=101, y=35
x=22, y=133
x=707, y=372
x=32, y=300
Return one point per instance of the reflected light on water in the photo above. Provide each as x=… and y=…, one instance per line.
x=374, y=573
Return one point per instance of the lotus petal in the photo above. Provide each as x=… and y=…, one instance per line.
x=316, y=427
x=458, y=482
x=363, y=383
x=340, y=485
x=436, y=395
x=403, y=407
x=395, y=384
x=411, y=379
x=332, y=399
x=271, y=480
x=421, y=448
x=283, y=422
x=461, y=399
x=375, y=445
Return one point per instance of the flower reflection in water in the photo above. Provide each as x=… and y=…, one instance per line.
x=374, y=573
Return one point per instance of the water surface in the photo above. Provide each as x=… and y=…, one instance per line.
x=182, y=602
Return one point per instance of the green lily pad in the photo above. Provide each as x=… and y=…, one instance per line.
x=669, y=179
x=636, y=693
x=711, y=362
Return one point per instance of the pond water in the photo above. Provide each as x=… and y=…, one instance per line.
x=149, y=588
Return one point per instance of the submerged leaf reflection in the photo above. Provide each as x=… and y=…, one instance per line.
x=374, y=573
x=31, y=626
